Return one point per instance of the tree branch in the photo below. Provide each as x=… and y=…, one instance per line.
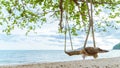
x=96, y=2
x=61, y=14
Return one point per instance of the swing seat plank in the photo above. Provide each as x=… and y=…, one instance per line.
x=90, y=51
x=70, y=53
x=74, y=52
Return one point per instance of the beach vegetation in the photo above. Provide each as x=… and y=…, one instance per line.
x=117, y=46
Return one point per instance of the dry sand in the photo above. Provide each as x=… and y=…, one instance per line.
x=93, y=63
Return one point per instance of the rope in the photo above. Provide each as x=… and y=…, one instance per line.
x=90, y=24
x=67, y=26
x=65, y=38
x=70, y=37
x=90, y=14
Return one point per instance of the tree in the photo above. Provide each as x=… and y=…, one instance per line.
x=31, y=14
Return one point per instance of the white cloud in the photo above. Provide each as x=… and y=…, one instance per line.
x=48, y=38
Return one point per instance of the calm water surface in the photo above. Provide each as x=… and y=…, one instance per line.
x=35, y=56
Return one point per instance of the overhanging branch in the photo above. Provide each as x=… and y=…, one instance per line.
x=102, y=2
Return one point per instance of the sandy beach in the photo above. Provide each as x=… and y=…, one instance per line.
x=91, y=63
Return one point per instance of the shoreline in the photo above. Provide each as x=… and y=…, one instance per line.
x=91, y=63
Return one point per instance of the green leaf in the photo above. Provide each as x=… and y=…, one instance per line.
x=1, y=23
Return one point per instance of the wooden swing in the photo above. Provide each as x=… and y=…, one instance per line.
x=77, y=51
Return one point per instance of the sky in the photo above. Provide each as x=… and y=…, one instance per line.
x=48, y=38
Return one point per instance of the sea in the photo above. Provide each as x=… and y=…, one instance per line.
x=8, y=57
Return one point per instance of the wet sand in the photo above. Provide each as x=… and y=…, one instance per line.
x=91, y=63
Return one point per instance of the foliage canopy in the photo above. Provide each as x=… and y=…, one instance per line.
x=31, y=14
